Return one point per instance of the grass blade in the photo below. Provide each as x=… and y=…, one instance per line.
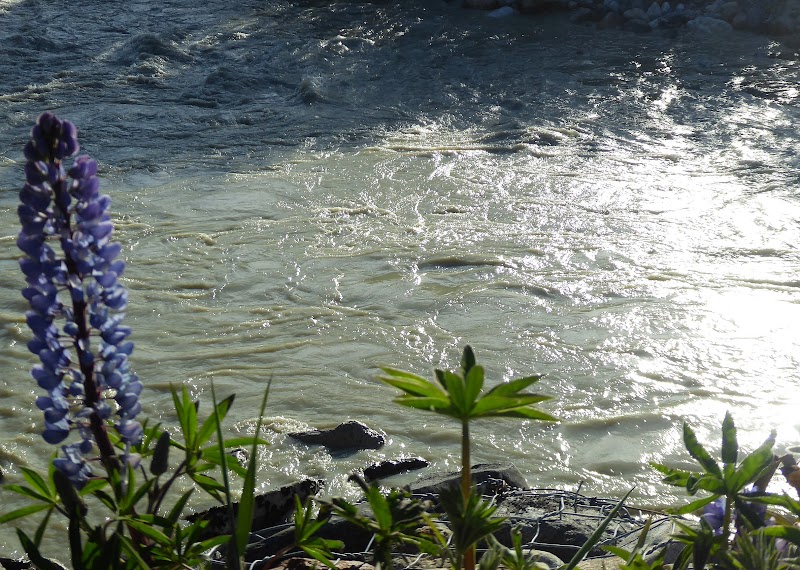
x=596, y=535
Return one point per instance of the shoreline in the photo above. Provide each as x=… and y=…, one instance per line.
x=775, y=18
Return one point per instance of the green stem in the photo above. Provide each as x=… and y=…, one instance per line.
x=726, y=522
x=466, y=484
x=466, y=481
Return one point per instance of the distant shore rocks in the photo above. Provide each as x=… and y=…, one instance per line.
x=772, y=17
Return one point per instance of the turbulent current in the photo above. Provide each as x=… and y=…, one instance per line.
x=306, y=192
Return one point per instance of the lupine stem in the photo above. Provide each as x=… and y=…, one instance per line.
x=466, y=484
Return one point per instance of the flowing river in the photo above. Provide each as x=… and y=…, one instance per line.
x=307, y=191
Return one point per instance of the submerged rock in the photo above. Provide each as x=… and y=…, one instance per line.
x=349, y=435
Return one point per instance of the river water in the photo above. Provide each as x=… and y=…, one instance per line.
x=308, y=191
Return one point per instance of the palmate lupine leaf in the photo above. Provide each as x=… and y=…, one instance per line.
x=699, y=452
x=461, y=396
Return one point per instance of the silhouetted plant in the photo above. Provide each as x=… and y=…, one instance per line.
x=460, y=396
x=397, y=518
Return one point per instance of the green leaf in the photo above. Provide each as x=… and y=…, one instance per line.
x=106, y=499
x=493, y=405
x=160, y=460
x=456, y=392
x=525, y=413
x=706, y=482
x=380, y=507
x=513, y=387
x=243, y=441
x=784, y=501
x=133, y=551
x=37, y=482
x=68, y=495
x=244, y=519
x=174, y=514
x=438, y=405
x=411, y=383
x=149, y=531
x=698, y=451
x=618, y=552
x=28, y=492
x=140, y=492
x=92, y=486
x=23, y=512
x=210, y=425
x=187, y=417
x=753, y=465
x=473, y=385
x=233, y=554
x=675, y=477
x=209, y=485
x=693, y=506
x=596, y=536
x=730, y=447
x=788, y=533
x=39, y=561
x=40, y=530
x=210, y=543
x=467, y=359
x=212, y=455
x=130, y=498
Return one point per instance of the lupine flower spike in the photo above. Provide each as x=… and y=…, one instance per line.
x=84, y=364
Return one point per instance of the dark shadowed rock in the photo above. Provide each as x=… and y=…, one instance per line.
x=349, y=435
x=270, y=509
x=12, y=564
x=489, y=477
x=560, y=522
x=638, y=26
x=393, y=467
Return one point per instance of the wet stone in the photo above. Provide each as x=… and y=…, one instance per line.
x=349, y=435
x=393, y=467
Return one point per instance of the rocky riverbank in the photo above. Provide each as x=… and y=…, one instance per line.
x=772, y=17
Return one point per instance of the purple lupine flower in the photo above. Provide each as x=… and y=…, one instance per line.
x=714, y=515
x=84, y=363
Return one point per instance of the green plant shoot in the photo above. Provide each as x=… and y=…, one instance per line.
x=460, y=396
